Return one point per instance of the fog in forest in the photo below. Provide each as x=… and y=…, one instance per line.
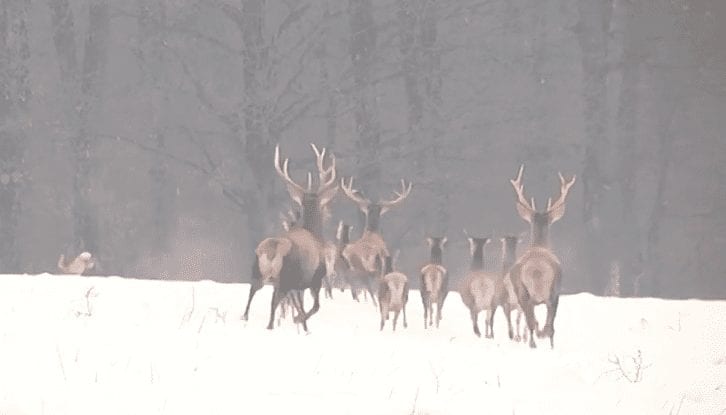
x=144, y=131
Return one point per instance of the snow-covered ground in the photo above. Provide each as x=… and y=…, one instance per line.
x=148, y=347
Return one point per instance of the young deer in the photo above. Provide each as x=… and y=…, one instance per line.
x=78, y=265
x=296, y=260
x=342, y=237
x=392, y=293
x=362, y=254
x=480, y=290
x=434, y=281
x=536, y=275
x=508, y=299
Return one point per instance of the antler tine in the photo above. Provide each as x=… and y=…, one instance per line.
x=564, y=189
x=519, y=188
x=310, y=181
x=325, y=183
x=400, y=196
x=353, y=194
x=326, y=176
x=285, y=175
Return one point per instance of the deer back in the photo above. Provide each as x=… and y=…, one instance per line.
x=364, y=253
x=432, y=276
x=270, y=253
x=538, y=269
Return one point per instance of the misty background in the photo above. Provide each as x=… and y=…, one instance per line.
x=144, y=131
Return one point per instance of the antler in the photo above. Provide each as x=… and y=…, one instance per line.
x=326, y=176
x=296, y=191
x=400, y=196
x=525, y=209
x=353, y=194
x=557, y=209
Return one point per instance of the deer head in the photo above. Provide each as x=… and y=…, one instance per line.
x=312, y=203
x=343, y=233
x=540, y=221
x=436, y=245
x=509, y=251
x=476, y=249
x=374, y=211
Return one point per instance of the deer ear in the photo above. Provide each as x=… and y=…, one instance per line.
x=429, y=241
x=443, y=241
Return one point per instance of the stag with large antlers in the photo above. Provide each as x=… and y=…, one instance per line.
x=434, y=281
x=363, y=256
x=296, y=260
x=537, y=274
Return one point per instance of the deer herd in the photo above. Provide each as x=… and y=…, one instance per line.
x=300, y=258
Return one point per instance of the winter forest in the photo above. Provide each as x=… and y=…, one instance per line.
x=144, y=131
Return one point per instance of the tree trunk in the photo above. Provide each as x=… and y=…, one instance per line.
x=258, y=151
x=432, y=79
x=14, y=119
x=362, y=54
x=152, y=26
x=84, y=94
x=628, y=110
x=592, y=33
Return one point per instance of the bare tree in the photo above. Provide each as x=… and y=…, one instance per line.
x=82, y=89
x=14, y=121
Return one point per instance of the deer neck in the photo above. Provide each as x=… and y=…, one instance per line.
x=477, y=260
x=436, y=255
x=312, y=220
x=388, y=268
x=373, y=222
x=539, y=235
x=509, y=256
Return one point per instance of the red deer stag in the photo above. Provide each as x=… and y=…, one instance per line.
x=434, y=281
x=392, y=293
x=480, y=289
x=363, y=255
x=296, y=260
x=537, y=274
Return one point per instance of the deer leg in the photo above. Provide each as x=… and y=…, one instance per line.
x=369, y=287
x=549, y=328
x=405, y=323
x=507, y=309
x=297, y=299
x=439, y=306
x=255, y=285
x=490, y=321
x=315, y=292
x=426, y=313
x=276, y=296
x=328, y=287
x=395, y=318
x=528, y=309
x=475, y=322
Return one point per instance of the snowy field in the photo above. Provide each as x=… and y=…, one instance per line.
x=108, y=345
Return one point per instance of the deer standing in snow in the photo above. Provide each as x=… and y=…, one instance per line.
x=480, y=289
x=434, y=281
x=537, y=274
x=296, y=260
x=392, y=293
x=508, y=299
x=362, y=255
